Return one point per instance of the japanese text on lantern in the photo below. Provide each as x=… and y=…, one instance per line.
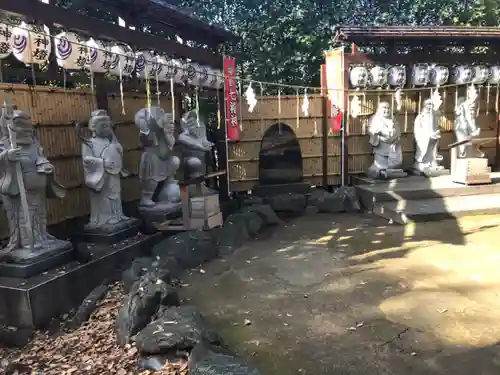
x=231, y=94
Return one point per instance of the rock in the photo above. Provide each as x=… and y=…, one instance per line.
x=251, y=200
x=206, y=359
x=166, y=268
x=343, y=199
x=190, y=248
x=87, y=307
x=288, y=203
x=177, y=328
x=144, y=299
x=231, y=236
x=251, y=220
x=266, y=212
x=15, y=337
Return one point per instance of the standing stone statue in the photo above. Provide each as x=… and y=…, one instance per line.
x=465, y=125
x=158, y=166
x=427, y=135
x=26, y=180
x=195, y=145
x=385, y=137
x=102, y=157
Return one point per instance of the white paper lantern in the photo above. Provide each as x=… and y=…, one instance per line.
x=358, y=76
x=439, y=75
x=378, y=76
x=194, y=74
x=420, y=75
x=179, y=74
x=96, y=59
x=170, y=68
x=203, y=76
x=212, y=78
x=5, y=40
x=146, y=64
x=481, y=74
x=220, y=78
x=494, y=75
x=31, y=43
x=124, y=59
x=162, y=68
x=71, y=51
x=462, y=74
x=396, y=76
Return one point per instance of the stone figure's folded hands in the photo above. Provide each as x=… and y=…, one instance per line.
x=14, y=154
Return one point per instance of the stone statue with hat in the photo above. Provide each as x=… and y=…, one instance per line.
x=160, y=193
x=26, y=180
x=102, y=157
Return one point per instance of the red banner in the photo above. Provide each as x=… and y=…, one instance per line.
x=231, y=95
x=336, y=117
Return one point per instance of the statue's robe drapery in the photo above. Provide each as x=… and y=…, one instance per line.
x=102, y=165
x=39, y=183
x=464, y=126
x=424, y=129
x=384, y=137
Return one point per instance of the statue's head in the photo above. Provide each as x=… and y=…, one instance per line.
x=427, y=108
x=384, y=110
x=22, y=126
x=100, y=124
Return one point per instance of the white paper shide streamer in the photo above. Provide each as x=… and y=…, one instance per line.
x=305, y=104
x=250, y=98
x=31, y=44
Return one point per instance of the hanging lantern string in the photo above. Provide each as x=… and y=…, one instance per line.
x=157, y=87
x=261, y=86
x=172, y=93
x=121, y=86
x=148, y=90
x=197, y=107
x=267, y=83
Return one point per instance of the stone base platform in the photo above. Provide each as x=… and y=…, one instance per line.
x=113, y=234
x=32, y=303
x=419, y=198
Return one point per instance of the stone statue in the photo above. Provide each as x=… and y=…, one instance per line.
x=158, y=166
x=385, y=138
x=465, y=125
x=427, y=135
x=26, y=180
x=102, y=157
x=195, y=145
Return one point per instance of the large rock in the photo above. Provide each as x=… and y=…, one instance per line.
x=343, y=199
x=177, y=328
x=250, y=219
x=232, y=235
x=143, y=301
x=189, y=249
x=206, y=359
x=288, y=203
x=266, y=212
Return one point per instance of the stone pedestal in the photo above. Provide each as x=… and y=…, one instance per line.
x=34, y=301
x=160, y=212
x=25, y=263
x=469, y=170
x=430, y=172
x=113, y=233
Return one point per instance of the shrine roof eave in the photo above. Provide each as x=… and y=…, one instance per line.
x=401, y=34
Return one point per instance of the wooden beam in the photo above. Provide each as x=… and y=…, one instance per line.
x=51, y=14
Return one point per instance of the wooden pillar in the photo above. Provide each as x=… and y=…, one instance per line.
x=324, y=127
x=222, y=150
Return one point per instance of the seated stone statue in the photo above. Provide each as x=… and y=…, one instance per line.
x=465, y=126
x=427, y=135
x=385, y=139
x=102, y=157
x=195, y=145
x=158, y=166
x=29, y=238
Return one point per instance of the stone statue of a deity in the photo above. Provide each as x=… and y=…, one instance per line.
x=465, y=125
x=195, y=145
x=385, y=137
x=158, y=165
x=427, y=135
x=102, y=157
x=26, y=180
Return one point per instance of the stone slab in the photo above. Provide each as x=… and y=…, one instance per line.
x=34, y=302
x=417, y=187
x=64, y=254
x=436, y=209
x=113, y=237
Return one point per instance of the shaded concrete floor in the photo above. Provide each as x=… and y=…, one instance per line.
x=350, y=294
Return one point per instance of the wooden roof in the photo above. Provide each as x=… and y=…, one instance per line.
x=402, y=34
